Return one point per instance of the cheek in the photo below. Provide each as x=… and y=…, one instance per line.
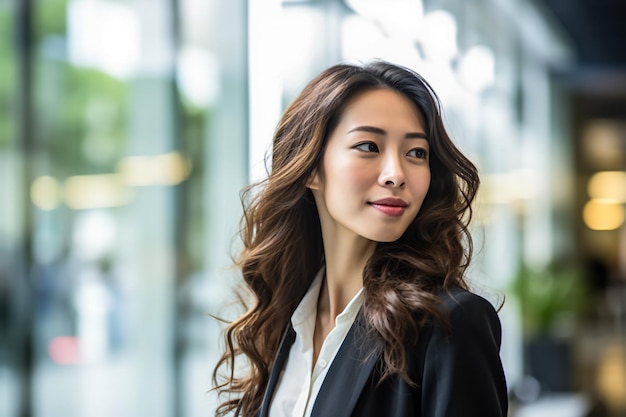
x=358, y=177
x=348, y=175
x=421, y=185
x=426, y=185
x=356, y=182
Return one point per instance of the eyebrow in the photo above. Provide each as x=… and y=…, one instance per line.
x=383, y=132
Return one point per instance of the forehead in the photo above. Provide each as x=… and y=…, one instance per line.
x=381, y=104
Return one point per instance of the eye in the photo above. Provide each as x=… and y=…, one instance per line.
x=419, y=153
x=367, y=147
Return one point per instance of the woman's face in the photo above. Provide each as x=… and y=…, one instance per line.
x=374, y=173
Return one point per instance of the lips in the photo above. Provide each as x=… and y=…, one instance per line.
x=390, y=206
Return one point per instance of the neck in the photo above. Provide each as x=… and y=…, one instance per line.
x=345, y=261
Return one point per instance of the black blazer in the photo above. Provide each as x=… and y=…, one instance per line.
x=458, y=373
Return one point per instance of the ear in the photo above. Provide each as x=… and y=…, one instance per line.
x=313, y=182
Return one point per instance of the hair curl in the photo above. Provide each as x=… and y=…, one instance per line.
x=283, y=248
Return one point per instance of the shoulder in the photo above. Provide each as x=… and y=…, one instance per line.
x=465, y=319
x=462, y=304
x=469, y=314
x=460, y=359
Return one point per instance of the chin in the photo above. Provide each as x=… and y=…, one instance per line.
x=386, y=237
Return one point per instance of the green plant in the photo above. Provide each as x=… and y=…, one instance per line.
x=549, y=294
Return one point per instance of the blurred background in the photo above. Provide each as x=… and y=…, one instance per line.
x=128, y=127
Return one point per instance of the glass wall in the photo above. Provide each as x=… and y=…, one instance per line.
x=120, y=121
x=128, y=127
x=10, y=195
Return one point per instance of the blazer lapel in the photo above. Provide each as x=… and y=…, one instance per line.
x=283, y=352
x=348, y=373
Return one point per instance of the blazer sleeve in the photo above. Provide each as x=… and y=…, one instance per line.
x=462, y=370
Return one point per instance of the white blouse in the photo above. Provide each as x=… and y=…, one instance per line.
x=298, y=387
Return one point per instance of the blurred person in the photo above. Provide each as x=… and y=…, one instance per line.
x=355, y=252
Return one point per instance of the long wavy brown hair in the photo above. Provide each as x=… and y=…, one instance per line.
x=282, y=241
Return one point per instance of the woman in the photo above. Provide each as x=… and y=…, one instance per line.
x=355, y=249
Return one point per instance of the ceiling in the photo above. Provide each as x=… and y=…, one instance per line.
x=596, y=28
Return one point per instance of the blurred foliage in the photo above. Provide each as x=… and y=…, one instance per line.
x=82, y=117
x=8, y=76
x=194, y=128
x=50, y=17
x=81, y=112
x=549, y=295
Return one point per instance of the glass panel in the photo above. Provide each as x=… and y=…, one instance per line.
x=9, y=201
x=104, y=258
x=213, y=84
x=139, y=116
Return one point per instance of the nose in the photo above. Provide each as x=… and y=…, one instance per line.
x=392, y=173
